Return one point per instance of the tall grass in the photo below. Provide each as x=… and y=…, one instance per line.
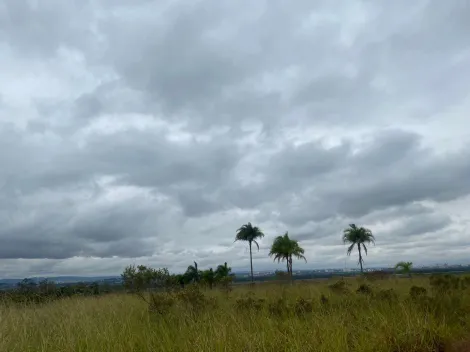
x=268, y=317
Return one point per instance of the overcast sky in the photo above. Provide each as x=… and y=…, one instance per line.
x=148, y=131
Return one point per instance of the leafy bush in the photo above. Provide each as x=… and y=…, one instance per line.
x=160, y=303
x=364, y=289
x=193, y=299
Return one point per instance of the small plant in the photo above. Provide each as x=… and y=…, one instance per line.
x=389, y=295
x=323, y=300
x=226, y=283
x=280, y=307
x=339, y=287
x=364, y=289
x=417, y=292
x=249, y=303
x=160, y=303
x=302, y=306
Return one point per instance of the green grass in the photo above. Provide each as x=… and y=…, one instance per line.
x=220, y=321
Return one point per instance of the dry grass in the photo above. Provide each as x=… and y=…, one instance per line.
x=270, y=317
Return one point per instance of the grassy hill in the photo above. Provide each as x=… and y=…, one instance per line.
x=349, y=315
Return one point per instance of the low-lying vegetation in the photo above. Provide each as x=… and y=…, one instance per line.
x=423, y=314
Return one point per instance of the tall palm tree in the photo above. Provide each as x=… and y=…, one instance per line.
x=284, y=248
x=250, y=234
x=358, y=236
x=404, y=268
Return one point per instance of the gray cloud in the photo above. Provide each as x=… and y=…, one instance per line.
x=149, y=132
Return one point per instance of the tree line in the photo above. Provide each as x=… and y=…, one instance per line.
x=137, y=278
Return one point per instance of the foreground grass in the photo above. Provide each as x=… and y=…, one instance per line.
x=264, y=318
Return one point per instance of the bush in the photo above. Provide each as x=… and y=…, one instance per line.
x=444, y=283
x=249, y=303
x=339, y=287
x=302, y=306
x=364, y=289
x=324, y=300
x=376, y=275
x=280, y=307
x=160, y=303
x=389, y=295
x=193, y=299
x=417, y=292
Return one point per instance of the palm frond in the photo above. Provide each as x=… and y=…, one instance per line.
x=283, y=248
x=365, y=248
x=350, y=248
x=300, y=256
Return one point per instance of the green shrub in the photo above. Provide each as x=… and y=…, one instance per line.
x=339, y=287
x=249, y=303
x=279, y=307
x=417, y=292
x=389, y=295
x=160, y=303
x=303, y=306
x=444, y=283
x=364, y=289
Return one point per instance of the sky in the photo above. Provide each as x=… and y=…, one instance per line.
x=148, y=132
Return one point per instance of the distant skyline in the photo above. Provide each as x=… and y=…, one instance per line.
x=154, y=129
x=259, y=269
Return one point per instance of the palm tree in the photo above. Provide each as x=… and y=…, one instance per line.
x=284, y=248
x=250, y=234
x=359, y=236
x=222, y=271
x=192, y=273
x=404, y=268
x=208, y=277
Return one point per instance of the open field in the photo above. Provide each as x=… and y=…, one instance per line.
x=308, y=316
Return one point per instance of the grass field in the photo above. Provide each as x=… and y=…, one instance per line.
x=307, y=316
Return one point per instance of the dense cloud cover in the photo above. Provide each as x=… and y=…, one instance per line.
x=149, y=131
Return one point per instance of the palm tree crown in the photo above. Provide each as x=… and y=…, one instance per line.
x=404, y=267
x=358, y=236
x=193, y=274
x=284, y=248
x=223, y=271
x=250, y=234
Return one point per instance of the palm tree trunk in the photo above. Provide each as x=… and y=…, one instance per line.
x=251, y=264
x=291, y=273
x=360, y=257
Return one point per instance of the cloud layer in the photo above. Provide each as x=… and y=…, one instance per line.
x=149, y=132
